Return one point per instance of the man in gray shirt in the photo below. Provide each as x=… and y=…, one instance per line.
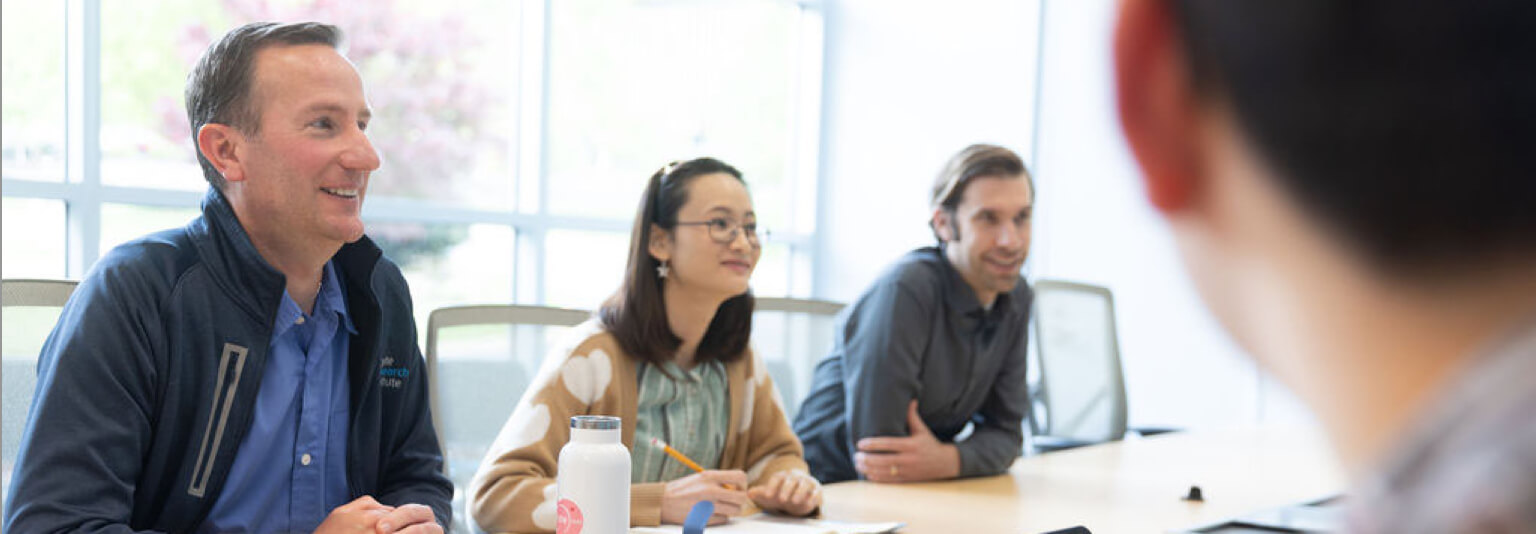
x=936, y=344
x=1352, y=187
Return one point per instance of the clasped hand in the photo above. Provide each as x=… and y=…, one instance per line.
x=915, y=458
x=368, y=515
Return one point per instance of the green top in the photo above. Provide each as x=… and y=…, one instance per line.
x=690, y=412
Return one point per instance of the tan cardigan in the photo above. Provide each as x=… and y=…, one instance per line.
x=514, y=490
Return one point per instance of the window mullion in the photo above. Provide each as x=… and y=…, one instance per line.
x=805, y=149
x=83, y=126
x=533, y=151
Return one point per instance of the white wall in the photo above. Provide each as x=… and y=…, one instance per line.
x=1095, y=225
x=908, y=84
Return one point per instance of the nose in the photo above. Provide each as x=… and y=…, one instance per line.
x=1010, y=235
x=739, y=239
x=360, y=156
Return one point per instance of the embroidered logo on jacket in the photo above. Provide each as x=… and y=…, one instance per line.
x=392, y=377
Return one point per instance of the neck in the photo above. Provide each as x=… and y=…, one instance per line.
x=688, y=315
x=302, y=264
x=984, y=295
x=1368, y=353
x=1380, y=355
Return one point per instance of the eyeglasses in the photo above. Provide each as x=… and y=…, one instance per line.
x=724, y=231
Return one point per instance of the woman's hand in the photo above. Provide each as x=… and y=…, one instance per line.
x=680, y=495
x=791, y=492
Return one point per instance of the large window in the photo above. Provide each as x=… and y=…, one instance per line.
x=515, y=136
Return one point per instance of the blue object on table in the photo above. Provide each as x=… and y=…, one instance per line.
x=698, y=517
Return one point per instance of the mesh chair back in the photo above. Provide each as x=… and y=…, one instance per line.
x=31, y=307
x=791, y=335
x=1082, y=392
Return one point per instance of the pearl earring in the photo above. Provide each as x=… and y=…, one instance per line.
x=662, y=270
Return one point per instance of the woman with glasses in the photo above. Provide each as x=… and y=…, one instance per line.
x=668, y=354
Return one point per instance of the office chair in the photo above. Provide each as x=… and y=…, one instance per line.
x=791, y=335
x=31, y=307
x=1080, y=399
x=495, y=353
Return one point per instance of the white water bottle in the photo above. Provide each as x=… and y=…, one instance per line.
x=593, y=478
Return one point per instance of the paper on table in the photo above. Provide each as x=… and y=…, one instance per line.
x=780, y=525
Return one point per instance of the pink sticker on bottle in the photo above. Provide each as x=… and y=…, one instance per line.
x=568, y=518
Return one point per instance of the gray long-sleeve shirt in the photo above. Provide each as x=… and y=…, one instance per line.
x=920, y=333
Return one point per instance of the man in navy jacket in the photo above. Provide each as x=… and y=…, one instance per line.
x=256, y=370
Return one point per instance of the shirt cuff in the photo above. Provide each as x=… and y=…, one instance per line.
x=645, y=504
x=971, y=464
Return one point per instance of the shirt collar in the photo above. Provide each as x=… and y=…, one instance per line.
x=1004, y=302
x=961, y=298
x=330, y=299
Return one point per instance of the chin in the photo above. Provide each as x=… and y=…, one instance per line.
x=733, y=290
x=1006, y=285
x=341, y=238
x=348, y=232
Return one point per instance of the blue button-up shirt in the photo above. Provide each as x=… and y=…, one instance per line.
x=291, y=470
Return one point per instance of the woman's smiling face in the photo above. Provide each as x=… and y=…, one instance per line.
x=714, y=247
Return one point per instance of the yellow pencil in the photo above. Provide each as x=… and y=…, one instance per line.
x=680, y=457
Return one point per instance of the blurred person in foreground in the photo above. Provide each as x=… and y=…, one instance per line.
x=1351, y=187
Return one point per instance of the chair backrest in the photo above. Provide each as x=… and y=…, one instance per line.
x=792, y=335
x=31, y=307
x=36, y=292
x=1082, y=390
x=489, y=363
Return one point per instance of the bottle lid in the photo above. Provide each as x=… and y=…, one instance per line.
x=595, y=422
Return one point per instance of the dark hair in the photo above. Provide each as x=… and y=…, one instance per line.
x=219, y=87
x=636, y=315
x=1406, y=127
x=975, y=161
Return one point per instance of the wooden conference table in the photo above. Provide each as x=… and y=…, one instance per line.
x=1131, y=486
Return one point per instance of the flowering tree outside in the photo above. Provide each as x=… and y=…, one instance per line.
x=430, y=116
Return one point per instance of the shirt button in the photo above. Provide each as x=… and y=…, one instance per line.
x=300, y=320
x=305, y=459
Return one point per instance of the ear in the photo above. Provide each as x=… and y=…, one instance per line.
x=943, y=224
x=1159, y=109
x=222, y=145
x=660, y=245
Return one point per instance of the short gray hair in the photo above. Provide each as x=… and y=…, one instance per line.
x=219, y=87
